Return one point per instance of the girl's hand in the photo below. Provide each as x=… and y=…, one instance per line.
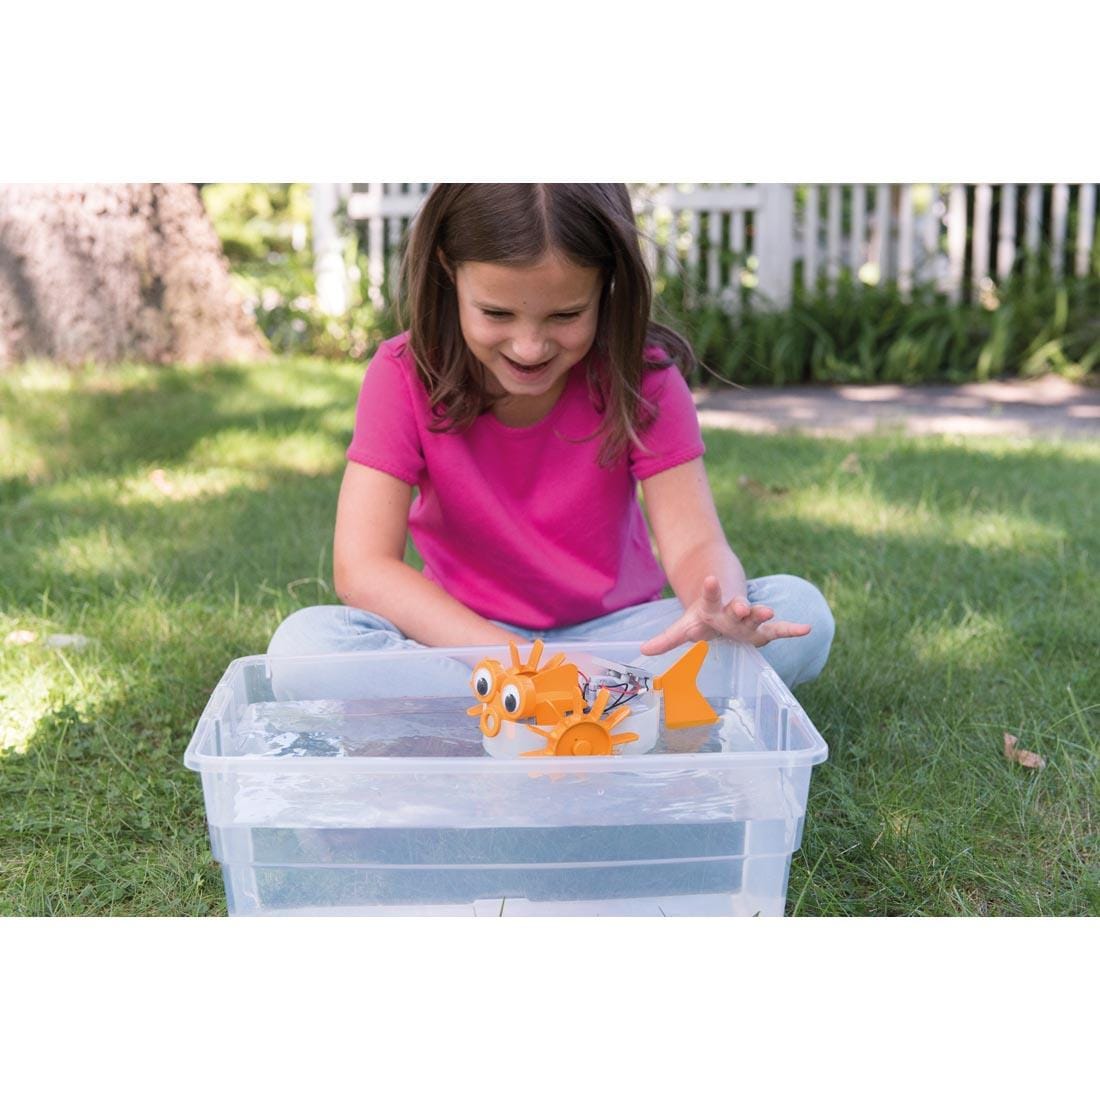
x=739, y=621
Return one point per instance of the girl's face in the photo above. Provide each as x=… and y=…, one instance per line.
x=528, y=325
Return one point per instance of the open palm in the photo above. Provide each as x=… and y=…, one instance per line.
x=739, y=621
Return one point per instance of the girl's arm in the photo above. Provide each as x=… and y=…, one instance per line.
x=704, y=572
x=370, y=573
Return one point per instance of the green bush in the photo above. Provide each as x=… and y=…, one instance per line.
x=282, y=297
x=256, y=220
x=855, y=333
x=265, y=231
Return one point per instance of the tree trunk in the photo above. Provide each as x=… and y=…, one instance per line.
x=107, y=273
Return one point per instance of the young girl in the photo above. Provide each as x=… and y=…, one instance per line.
x=529, y=398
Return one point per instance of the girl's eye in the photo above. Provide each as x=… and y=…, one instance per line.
x=496, y=315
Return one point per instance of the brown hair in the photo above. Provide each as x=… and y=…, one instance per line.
x=591, y=224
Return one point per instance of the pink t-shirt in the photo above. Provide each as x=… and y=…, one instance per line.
x=523, y=525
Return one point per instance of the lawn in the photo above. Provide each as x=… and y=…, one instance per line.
x=163, y=521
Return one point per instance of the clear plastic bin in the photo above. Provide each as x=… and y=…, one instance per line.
x=357, y=785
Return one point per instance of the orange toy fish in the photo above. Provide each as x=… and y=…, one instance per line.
x=572, y=712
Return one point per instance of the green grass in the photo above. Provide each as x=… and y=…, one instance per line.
x=962, y=575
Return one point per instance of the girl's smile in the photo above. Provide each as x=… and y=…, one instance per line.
x=525, y=372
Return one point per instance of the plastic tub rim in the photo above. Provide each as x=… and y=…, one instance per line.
x=204, y=762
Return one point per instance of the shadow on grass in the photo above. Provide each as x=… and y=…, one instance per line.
x=941, y=473
x=160, y=419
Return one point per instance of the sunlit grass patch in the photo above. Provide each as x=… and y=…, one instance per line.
x=301, y=452
x=163, y=487
x=27, y=686
x=308, y=385
x=972, y=639
x=865, y=513
x=103, y=551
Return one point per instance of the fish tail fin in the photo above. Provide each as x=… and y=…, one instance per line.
x=684, y=703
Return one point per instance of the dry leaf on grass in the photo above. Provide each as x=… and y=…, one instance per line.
x=758, y=488
x=850, y=464
x=160, y=482
x=1022, y=756
x=21, y=637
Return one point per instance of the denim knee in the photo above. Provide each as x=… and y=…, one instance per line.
x=310, y=630
x=823, y=628
x=813, y=609
x=795, y=599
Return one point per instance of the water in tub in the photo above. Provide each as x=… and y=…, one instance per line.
x=430, y=727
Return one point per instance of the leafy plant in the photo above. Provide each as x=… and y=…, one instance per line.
x=855, y=333
x=255, y=220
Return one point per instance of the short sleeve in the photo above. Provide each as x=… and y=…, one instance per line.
x=674, y=436
x=386, y=436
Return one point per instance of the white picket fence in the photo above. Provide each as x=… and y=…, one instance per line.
x=732, y=242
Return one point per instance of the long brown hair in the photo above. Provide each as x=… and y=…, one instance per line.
x=591, y=224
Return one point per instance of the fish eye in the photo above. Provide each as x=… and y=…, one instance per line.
x=510, y=699
x=483, y=682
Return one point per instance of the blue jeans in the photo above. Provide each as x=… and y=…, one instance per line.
x=335, y=628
